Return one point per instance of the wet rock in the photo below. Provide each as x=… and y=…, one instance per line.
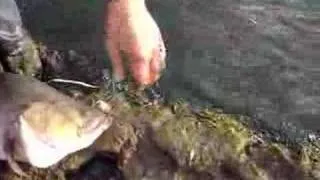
x=102, y=166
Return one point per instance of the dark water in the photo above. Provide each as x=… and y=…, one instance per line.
x=255, y=57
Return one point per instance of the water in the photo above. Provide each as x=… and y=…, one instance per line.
x=259, y=58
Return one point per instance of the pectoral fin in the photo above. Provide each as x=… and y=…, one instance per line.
x=9, y=148
x=15, y=167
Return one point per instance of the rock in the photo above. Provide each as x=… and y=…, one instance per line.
x=176, y=142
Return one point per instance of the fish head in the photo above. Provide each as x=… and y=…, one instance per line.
x=49, y=131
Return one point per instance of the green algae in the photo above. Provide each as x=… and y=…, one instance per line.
x=28, y=62
x=200, y=141
x=207, y=139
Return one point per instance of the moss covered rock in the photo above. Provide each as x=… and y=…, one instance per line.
x=174, y=141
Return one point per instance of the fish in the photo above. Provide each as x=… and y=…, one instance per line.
x=40, y=125
x=134, y=42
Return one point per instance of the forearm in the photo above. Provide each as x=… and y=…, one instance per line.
x=11, y=30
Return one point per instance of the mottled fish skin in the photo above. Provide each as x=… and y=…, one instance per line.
x=46, y=125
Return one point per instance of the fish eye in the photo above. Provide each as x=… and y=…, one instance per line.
x=84, y=113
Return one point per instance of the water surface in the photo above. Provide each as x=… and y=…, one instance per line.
x=259, y=58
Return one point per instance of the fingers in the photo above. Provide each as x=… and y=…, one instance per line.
x=140, y=71
x=116, y=60
x=146, y=73
x=158, y=64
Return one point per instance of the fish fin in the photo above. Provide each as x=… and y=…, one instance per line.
x=11, y=162
x=15, y=167
x=9, y=149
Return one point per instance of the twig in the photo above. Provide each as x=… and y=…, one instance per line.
x=73, y=82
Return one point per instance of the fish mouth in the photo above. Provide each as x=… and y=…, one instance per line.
x=97, y=124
